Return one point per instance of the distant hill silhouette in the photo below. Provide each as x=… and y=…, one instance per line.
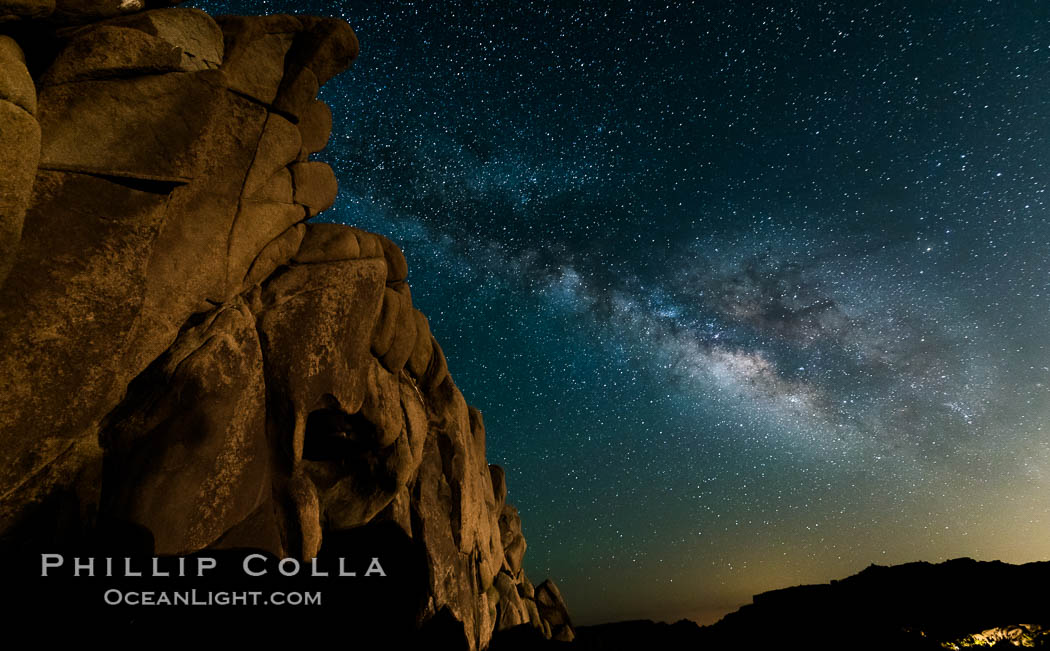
x=911, y=606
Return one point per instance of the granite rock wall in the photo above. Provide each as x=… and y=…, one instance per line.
x=183, y=352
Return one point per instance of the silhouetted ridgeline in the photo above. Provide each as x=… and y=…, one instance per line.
x=912, y=606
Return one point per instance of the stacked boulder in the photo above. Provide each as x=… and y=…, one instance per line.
x=519, y=602
x=183, y=351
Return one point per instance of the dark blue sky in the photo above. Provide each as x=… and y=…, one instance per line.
x=749, y=295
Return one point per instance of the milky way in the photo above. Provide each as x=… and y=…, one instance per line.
x=748, y=296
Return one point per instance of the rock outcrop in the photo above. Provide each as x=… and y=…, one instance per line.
x=186, y=362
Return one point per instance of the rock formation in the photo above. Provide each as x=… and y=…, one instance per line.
x=188, y=361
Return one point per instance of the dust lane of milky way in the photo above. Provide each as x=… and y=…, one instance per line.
x=749, y=295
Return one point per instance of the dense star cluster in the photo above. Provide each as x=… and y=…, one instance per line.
x=750, y=295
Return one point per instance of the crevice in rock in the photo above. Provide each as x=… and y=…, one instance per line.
x=39, y=43
x=447, y=452
x=123, y=74
x=159, y=185
x=266, y=105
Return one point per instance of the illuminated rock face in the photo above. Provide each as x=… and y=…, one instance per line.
x=182, y=354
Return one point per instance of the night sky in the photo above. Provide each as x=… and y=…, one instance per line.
x=749, y=295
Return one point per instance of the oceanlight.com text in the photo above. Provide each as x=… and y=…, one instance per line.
x=194, y=597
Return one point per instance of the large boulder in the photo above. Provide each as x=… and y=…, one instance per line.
x=554, y=612
x=20, y=133
x=199, y=410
